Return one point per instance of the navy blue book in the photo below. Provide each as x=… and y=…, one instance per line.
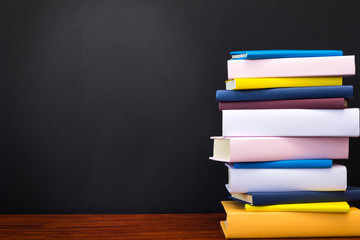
x=271, y=198
x=285, y=93
x=303, y=163
x=264, y=54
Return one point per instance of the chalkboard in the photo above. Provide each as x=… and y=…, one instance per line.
x=108, y=106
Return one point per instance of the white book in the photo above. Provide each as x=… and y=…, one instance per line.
x=291, y=122
x=281, y=180
x=260, y=149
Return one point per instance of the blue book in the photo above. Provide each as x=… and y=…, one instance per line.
x=303, y=163
x=285, y=93
x=264, y=54
x=271, y=198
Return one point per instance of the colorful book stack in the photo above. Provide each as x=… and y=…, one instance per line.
x=285, y=119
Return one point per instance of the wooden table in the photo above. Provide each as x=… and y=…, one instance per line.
x=114, y=226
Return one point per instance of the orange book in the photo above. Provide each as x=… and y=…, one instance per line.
x=242, y=224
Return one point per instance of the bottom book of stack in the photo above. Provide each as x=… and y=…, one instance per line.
x=240, y=223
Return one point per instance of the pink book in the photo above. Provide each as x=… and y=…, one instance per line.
x=320, y=103
x=257, y=149
x=292, y=67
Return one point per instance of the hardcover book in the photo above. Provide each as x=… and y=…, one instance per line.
x=285, y=93
x=319, y=103
x=259, y=149
x=284, y=180
x=263, y=54
x=339, y=207
x=292, y=122
x=242, y=224
x=292, y=67
x=259, y=83
x=303, y=163
x=270, y=198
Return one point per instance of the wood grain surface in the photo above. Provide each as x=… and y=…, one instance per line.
x=114, y=226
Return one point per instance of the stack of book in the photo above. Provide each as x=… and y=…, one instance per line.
x=285, y=119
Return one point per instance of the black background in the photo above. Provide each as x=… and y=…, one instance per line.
x=108, y=106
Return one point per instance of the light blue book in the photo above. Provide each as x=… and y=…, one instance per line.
x=306, y=163
x=264, y=54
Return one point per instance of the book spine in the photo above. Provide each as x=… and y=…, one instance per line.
x=291, y=122
x=258, y=149
x=320, y=103
x=292, y=67
x=269, y=180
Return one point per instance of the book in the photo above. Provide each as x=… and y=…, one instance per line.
x=242, y=224
x=285, y=93
x=269, y=198
x=260, y=149
x=303, y=163
x=292, y=122
x=339, y=207
x=263, y=54
x=320, y=103
x=283, y=180
x=260, y=83
x=292, y=67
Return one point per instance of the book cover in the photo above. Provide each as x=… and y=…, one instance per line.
x=242, y=224
x=303, y=163
x=264, y=54
x=292, y=122
x=319, y=103
x=285, y=93
x=259, y=83
x=269, y=198
x=283, y=180
x=292, y=67
x=339, y=207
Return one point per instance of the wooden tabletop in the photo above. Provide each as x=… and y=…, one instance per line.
x=114, y=226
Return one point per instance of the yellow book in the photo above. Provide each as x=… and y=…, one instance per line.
x=242, y=224
x=257, y=83
x=339, y=207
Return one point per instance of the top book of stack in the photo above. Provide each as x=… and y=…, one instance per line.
x=283, y=66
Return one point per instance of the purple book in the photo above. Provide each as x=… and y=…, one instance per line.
x=320, y=103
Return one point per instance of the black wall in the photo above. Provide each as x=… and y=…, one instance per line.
x=108, y=106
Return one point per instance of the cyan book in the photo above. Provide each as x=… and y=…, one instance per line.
x=305, y=163
x=264, y=54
